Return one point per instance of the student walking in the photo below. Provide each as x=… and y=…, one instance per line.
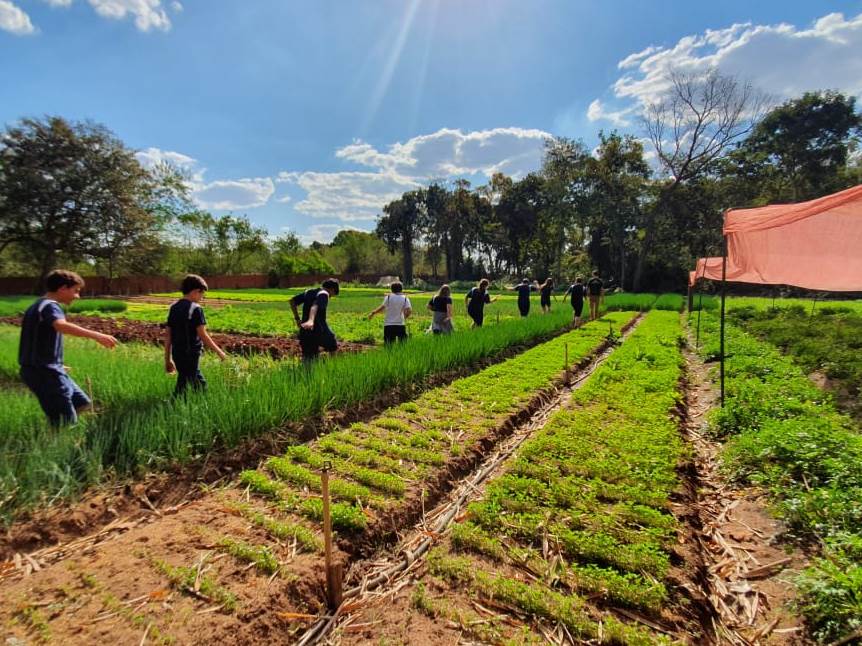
x=314, y=331
x=186, y=334
x=595, y=292
x=40, y=352
x=578, y=292
x=546, y=290
x=441, y=311
x=398, y=309
x=476, y=299
x=524, y=290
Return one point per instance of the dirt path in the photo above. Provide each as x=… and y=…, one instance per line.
x=201, y=570
x=128, y=330
x=749, y=566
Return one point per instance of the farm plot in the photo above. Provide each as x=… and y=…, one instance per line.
x=157, y=431
x=575, y=537
x=826, y=344
x=249, y=555
x=785, y=435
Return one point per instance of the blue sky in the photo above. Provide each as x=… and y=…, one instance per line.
x=309, y=116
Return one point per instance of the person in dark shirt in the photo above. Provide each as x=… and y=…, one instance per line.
x=40, y=352
x=578, y=291
x=546, y=290
x=441, y=311
x=186, y=334
x=524, y=290
x=476, y=299
x=314, y=331
x=595, y=292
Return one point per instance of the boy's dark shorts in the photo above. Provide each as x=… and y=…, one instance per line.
x=312, y=340
x=392, y=333
x=59, y=396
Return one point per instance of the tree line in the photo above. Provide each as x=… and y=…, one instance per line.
x=640, y=210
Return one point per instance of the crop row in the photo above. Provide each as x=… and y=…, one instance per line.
x=828, y=341
x=786, y=435
x=145, y=428
x=578, y=523
x=381, y=468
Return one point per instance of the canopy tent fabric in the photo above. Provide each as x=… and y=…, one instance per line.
x=814, y=245
x=710, y=269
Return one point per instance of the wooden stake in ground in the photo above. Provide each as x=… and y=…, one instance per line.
x=333, y=570
x=566, y=365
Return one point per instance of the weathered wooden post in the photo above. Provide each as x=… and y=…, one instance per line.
x=333, y=570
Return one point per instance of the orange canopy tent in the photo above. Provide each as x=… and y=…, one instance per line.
x=814, y=245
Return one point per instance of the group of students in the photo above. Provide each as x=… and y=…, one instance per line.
x=40, y=353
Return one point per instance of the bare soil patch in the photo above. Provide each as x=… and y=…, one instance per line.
x=128, y=330
x=749, y=562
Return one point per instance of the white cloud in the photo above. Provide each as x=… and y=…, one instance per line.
x=780, y=59
x=14, y=20
x=403, y=166
x=284, y=200
x=176, y=6
x=347, y=196
x=222, y=195
x=59, y=3
x=597, y=111
x=448, y=152
x=148, y=14
x=235, y=194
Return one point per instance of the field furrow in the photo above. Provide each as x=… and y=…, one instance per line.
x=575, y=535
x=256, y=545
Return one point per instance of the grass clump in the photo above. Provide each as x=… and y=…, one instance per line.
x=260, y=555
x=190, y=581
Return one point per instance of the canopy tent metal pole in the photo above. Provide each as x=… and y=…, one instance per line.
x=723, y=297
x=699, y=305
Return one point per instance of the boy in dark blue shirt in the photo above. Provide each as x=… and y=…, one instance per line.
x=476, y=299
x=524, y=290
x=314, y=331
x=186, y=334
x=40, y=353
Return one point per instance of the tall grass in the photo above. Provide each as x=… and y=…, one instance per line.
x=623, y=302
x=16, y=305
x=669, y=302
x=143, y=428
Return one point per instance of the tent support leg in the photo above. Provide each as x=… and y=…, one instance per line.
x=723, y=298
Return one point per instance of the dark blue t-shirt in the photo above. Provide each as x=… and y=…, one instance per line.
x=439, y=303
x=577, y=291
x=594, y=286
x=524, y=293
x=309, y=297
x=476, y=300
x=41, y=345
x=184, y=318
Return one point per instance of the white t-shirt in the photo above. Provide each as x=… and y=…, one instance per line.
x=395, y=305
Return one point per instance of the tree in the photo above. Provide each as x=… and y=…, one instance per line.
x=72, y=190
x=692, y=126
x=799, y=150
x=401, y=226
x=222, y=245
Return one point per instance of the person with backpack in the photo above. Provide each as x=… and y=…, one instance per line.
x=476, y=300
x=578, y=292
x=596, y=293
x=441, y=311
x=398, y=309
x=524, y=290
x=314, y=331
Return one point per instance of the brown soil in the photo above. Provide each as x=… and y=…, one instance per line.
x=75, y=592
x=749, y=564
x=98, y=508
x=128, y=330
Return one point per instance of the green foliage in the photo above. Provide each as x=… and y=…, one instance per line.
x=190, y=581
x=789, y=438
x=260, y=555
